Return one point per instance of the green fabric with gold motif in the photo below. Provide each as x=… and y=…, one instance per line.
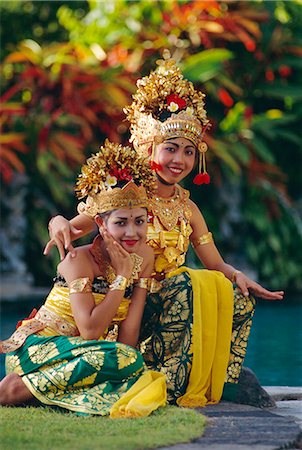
x=87, y=377
x=166, y=333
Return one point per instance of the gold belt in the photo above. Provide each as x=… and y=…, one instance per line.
x=44, y=318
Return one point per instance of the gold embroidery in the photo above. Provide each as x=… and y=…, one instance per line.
x=41, y=353
x=170, y=210
x=86, y=381
x=12, y=364
x=125, y=356
x=94, y=358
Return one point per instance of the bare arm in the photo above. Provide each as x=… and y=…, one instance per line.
x=92, y=320
x=62, y=232
x=130, y=327
x=211, y=259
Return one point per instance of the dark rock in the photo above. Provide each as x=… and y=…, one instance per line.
x=250, y=392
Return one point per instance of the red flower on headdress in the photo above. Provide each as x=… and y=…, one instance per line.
x=174, y=98
x=121, y=174
x=202, y=178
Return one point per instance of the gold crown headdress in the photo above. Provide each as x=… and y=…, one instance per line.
x=115, y=177
x=166, y=106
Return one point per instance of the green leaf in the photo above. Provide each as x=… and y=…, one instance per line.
x=263, y=150
x=241, y=152
x=278, y=90
x=205, y=65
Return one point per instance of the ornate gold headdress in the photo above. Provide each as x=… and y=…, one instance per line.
x=167, y=106
x=115, y=177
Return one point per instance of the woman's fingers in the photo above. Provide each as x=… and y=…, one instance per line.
x=243, y=287
x=48, y=247
x=269, y=295
x=245, y=284
x=259, y=291
x=59, y=245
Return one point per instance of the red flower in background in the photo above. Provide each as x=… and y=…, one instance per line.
x=285, y=71
x=269, y=75
x=225, y=97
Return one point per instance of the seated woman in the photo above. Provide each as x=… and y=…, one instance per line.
x=195, y=327
x=78, y=350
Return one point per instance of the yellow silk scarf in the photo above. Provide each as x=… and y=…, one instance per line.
x=213, y=299
x=146, y=395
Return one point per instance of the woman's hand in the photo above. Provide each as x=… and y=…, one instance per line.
x=245, y=284
x=60, y=230
x=120, y=259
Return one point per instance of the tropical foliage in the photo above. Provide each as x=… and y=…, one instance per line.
x=64, y=91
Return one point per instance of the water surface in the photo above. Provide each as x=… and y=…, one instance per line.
x=274, y=348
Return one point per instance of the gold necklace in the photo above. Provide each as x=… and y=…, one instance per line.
x=170, y=210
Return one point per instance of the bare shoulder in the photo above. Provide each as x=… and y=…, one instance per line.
x=197, y=220
x=194, y=208
x=78, y=265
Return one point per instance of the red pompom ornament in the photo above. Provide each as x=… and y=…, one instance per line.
x=202, y=178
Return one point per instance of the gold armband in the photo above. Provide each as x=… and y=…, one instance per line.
x=233, y=276
x=80, y=285
x=119, y=284
x=143, y=283
x=204, y=239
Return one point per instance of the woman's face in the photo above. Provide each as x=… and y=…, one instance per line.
x=176, y=157
x=128, y=227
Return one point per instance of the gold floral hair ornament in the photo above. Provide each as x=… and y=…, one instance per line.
x=115, y=177
x=165, y=106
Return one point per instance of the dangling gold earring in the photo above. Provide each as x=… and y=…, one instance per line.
x=202, y=177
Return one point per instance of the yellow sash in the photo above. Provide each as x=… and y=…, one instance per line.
x=213, y=299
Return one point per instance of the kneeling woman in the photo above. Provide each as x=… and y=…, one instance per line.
x=78, y=350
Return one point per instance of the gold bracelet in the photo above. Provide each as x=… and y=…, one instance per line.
x=233, y=276
x=202, y=240
x=119, y=284
x=143, y=283
x=80, y=285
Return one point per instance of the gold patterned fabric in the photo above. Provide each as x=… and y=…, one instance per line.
x=244, y=309
x=55, y=318
x=193, y=354
x=85, y=376
x=169, y=230
x=168, y=319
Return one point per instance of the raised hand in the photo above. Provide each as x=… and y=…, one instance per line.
x=247, y=285
x=60, y=230
x=120, y=259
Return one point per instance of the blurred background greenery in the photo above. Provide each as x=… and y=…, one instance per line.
x=69, y=68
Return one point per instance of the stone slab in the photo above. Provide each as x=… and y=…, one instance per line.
x=241, y=427
x=284, y=392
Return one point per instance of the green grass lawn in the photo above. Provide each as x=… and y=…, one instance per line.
x=41, y=428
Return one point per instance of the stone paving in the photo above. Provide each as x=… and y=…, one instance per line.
x=233, y=426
